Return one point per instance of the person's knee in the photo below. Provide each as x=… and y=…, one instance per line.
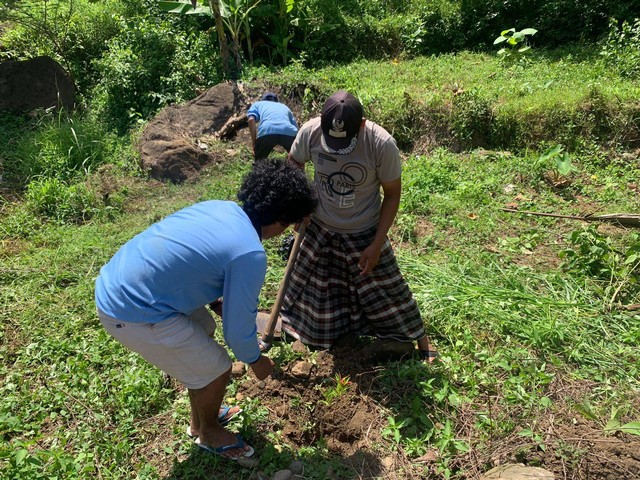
x=224, y=377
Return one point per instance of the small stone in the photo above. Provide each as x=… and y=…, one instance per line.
x=511, y=471
x=297, y=467
x=282, y=475
x=248, y=462
x=298, y=347
x=237, y=369
x=302, y=369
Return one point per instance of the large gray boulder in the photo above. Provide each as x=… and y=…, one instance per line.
x=37, y=83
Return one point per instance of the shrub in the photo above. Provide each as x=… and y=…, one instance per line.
x=59, y=146
x=432, y=26
x=559, y=21
x=53, y=198
x=149, y=66
x=621, y=49
x=471, y=119
x=595, y=255
x=72, y=32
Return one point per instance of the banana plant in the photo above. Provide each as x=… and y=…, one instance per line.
x=283, y=15
x=232, y=15
x=236, y=15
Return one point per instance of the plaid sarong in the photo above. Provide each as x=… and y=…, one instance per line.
x=328, y=298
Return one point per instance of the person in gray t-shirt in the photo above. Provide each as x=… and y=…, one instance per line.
x=346, y=279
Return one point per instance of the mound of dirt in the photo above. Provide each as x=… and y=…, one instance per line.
x=175, y=145
x=169, y=146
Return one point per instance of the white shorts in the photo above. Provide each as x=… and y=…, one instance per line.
x=180, y=346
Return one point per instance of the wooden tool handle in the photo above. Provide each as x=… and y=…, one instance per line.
x=267, y=337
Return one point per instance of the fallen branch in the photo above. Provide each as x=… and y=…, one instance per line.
x=232, y=125
x=631, y=220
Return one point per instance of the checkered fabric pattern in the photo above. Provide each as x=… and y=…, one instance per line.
x=328, y=298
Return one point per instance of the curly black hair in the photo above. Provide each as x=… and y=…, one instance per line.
x=276, y=191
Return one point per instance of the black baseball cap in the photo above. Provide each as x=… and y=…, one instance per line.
x=270, y=96
x=340, y=122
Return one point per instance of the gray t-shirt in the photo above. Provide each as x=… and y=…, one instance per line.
x=349, y=185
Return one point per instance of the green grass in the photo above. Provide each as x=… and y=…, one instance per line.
x=527, y=312
x=475, y=99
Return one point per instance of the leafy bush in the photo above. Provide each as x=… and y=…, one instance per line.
x=593, y=254
x=59, y=146
x=471, y=118
x=559, y=21
x=53, y=198
x=149, y=66
x=621, y=50
x=432, y=26
x=72, y=32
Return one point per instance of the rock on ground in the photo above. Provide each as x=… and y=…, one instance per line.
x=512, y=471
x=37, y=83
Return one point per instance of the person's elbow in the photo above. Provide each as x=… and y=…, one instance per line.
x=244, y=346
x=294, y=162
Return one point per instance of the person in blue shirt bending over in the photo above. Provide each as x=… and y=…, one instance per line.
x=152, y=295
x=271, y=123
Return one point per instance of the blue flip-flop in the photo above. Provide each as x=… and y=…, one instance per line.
x=222, y=418
x=240, y=443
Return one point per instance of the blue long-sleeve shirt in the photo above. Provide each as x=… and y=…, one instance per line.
x=185, y=261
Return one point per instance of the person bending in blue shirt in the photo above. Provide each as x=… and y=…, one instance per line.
x=271, y=123
x=151, y=295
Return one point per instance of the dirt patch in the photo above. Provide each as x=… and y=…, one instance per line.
x=307, y=405
x=177, y=143
x=298, y=402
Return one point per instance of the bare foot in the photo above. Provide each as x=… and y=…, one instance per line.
x=428, y=353
x=233, y=410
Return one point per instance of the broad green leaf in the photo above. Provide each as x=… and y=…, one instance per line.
x=499, y=40
x=20, y=455
x=290, y=5
x=183, y=7
x=586, y=410
x=504, y=32
x=612, y=425
x=632, y=427
x=225, y=9
x=526, y=432
x=632, y=259
x=529, y=31
x=523, y=49
x=550, y=153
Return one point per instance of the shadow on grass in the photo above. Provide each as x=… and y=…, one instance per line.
x=317, y=465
